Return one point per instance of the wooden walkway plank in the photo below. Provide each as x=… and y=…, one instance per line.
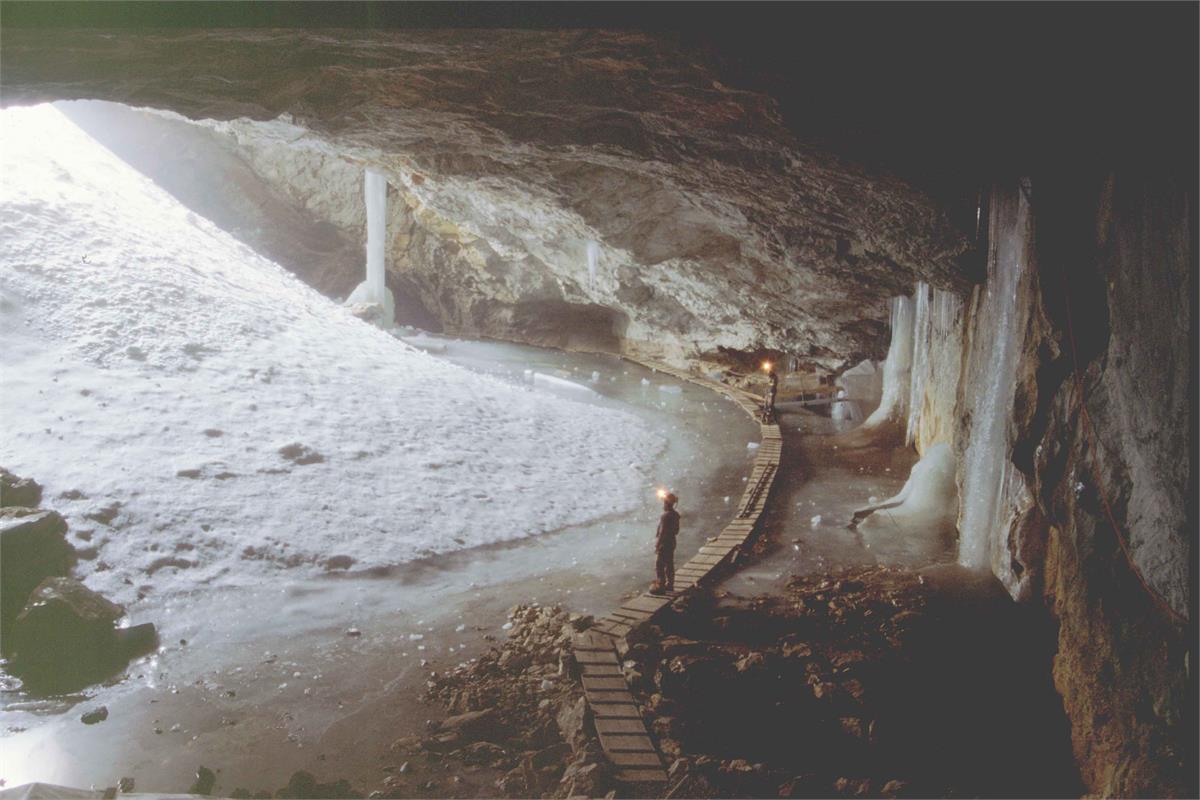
x=636, y=743
x=631, y=726
x=618, y=720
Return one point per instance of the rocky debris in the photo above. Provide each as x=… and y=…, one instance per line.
x=301, y=454
x=924, y=681
x=125, y=785
x=206, y=779
x=519, y=722
x=105, y=514
x=303, y=786
x=33, y=547
x=21, y=492
x=373, y=313
x=65, y=637
x=94, y=716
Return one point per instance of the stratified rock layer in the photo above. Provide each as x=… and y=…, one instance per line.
x=584, y=189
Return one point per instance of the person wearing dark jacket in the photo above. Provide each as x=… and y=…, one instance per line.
x=664, y=545
x=768, y=409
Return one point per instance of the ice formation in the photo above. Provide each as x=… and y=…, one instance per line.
x=373, y=289
x=920, y=517
x=157, y=374
x=986, y=465
x=918, y=371
x=593, y=255
x=893, y=405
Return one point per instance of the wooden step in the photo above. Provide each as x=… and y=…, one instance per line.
x=635, y=759
x=644, y=602
x=625, y=742
x=601, y=697
x=641, y=775
x=631, y=726
x=617, y=711
x=603, y=670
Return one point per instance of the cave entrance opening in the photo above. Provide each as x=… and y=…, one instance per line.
x=243, y=191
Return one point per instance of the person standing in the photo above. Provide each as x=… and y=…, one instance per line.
x=772, y=389
x=664, y=545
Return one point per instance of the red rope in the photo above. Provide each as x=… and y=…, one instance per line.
x=1093, y=440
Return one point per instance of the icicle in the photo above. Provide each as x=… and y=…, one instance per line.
x=920, y=360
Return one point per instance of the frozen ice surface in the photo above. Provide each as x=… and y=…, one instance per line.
x=132, y=327
x=552, y=382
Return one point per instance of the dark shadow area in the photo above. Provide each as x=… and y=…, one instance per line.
x=861, y=683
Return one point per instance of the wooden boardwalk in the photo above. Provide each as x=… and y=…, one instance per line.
x=599, y=649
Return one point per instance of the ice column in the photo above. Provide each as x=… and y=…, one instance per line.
x=374, y=288
x=986, y=465
x=593, y=255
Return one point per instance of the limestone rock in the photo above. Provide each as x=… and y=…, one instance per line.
x=65, y=636
x=14, y=491
x=33, y=547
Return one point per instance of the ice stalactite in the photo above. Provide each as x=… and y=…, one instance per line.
x=374, y=289
x=940, y=373
x=919, y=369
x=897, y=368
x=985, y=475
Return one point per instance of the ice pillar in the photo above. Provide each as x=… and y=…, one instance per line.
x=375, y=194
x=374, y=289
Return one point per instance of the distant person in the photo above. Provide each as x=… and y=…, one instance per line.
x=664, y=545
x=772, y=390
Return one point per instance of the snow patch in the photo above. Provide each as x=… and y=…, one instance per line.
x=133, y=326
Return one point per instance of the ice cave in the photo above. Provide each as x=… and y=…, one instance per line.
x=473, y=400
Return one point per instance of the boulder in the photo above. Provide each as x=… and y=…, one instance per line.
x=65, y=637
x=473, y=725
x=584, y=778
x=571, y=720
x=96, y=715
x=205, y=780
x=33, y=547
x=22, y=492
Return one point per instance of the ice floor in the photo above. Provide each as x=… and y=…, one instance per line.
x=204, y=419
x=157, y=374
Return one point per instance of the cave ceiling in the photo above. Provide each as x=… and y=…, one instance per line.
x=715, y=228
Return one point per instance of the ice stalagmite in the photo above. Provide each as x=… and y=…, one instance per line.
x=897, y=368
x=374, y=288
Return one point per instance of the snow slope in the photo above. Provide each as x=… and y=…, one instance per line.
x=155, y=372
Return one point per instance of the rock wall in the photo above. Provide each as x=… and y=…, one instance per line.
x=1062, y=385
